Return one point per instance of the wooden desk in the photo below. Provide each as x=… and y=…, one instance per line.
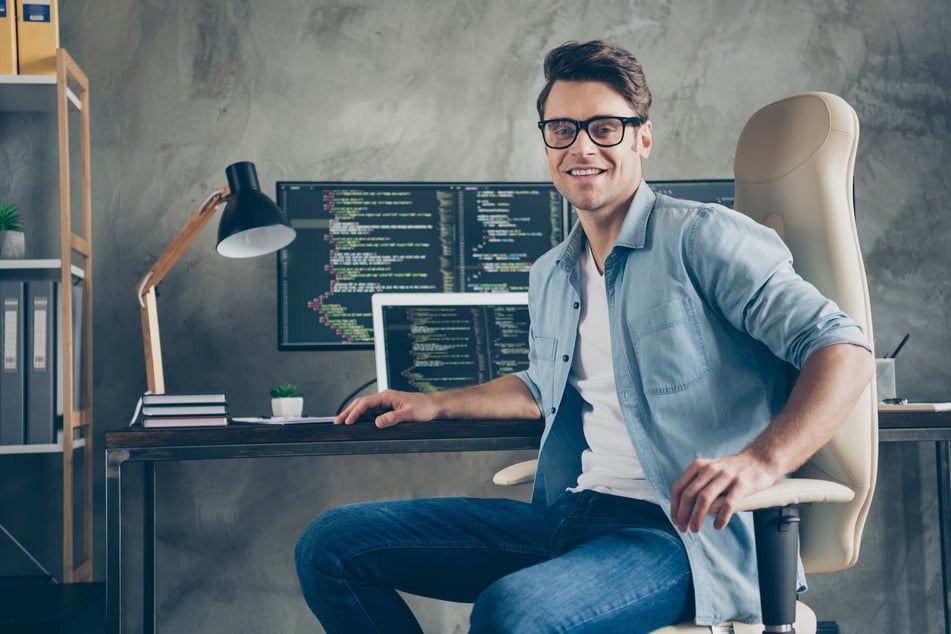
x=149, y=446
x=242, y=441
x=919, y=426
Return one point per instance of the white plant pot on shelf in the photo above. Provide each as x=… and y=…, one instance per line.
x=12, y=245
x=288, y=406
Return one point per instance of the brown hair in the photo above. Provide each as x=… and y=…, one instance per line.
x=597, y=61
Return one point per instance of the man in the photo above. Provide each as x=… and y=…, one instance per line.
x=659, y=331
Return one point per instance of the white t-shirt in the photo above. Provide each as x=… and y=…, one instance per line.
x=609, y=465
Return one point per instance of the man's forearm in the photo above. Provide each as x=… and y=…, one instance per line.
x=505, y=397
x=829, y=384
x=828, y=387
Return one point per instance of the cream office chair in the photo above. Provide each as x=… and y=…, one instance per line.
x=793, y=169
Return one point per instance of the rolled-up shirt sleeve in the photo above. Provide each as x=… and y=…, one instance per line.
x=746, y=272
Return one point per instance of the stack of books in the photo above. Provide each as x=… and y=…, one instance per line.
x=184, y=410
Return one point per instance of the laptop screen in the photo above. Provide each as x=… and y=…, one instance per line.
x=436, y=341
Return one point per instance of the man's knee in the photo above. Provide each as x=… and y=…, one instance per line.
x=319, y=545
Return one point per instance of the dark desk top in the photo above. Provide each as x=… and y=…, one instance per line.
x=911, y=418
x=910, y=425
x=251, y=441
x=242, y=440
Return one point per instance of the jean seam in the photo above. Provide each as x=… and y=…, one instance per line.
x=338, y=569
x=336, y=572
x=442, y=545
x=356, y=600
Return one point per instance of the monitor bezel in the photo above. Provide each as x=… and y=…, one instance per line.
x=381, y=301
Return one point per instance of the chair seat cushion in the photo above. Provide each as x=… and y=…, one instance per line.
x=805, y=624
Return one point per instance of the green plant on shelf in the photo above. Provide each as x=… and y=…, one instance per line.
x=10, y=219
x=285, y=390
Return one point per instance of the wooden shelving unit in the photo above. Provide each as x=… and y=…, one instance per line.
x=68, y=89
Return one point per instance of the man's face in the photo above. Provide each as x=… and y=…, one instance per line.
x=596, y=179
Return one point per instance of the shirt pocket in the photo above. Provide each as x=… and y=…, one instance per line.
x=668, y=347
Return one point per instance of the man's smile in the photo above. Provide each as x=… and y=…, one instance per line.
x=585, y=171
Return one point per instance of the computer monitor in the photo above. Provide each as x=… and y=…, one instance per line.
x=718, y=191
x=356, y=239
x=435, y=341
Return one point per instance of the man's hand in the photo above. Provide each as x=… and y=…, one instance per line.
x=504, y=397
x=705, y=480
x=396, y=407
x=829, y=384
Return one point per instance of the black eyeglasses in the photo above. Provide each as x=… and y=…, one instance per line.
x=603, y=131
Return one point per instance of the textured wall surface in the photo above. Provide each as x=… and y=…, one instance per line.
x=444, y=90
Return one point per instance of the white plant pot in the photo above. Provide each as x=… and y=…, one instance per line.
x=12, y=245
x=289, y=406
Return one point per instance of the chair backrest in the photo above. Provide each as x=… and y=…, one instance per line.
x=793, y=169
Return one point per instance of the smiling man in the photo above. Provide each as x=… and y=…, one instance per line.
x=660, y=332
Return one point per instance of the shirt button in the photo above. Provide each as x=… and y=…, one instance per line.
x=577, y=305
x=564, y=358
x=553, y=410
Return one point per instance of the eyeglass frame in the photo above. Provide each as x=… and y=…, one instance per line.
x=583, y=125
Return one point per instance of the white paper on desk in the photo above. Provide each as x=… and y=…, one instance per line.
x=284, y=420
x=914, y=407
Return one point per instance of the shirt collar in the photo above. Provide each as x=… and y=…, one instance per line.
x=633, y=234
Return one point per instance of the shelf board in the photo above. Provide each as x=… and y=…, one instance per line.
x=46, y=448
x=31, y=93
x=39, y=265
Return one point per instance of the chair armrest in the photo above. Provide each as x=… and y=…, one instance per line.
x=518, y=473
x=792, y=491
x=784, y=493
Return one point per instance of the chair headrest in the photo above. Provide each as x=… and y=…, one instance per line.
x=782, y=136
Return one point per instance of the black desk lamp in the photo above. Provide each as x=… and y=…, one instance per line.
x=250, y=225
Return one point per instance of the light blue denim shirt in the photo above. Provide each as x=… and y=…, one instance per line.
x=704, y=308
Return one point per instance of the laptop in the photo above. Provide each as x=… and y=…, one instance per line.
x=425, y=342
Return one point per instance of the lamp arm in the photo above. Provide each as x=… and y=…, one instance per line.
x=145, y=290
x=180, y=243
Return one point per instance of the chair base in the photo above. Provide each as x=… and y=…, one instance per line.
x=805, y=624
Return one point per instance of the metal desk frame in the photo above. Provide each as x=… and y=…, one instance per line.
x=924, y=426
x=240, y=441
x=149, y=446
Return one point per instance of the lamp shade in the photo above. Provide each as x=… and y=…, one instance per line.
x=251, y=223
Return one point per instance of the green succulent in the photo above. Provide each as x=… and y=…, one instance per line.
x=285, y=391
x=10, y=218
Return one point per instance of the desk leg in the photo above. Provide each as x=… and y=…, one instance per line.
x=943, y=460
x=148, y=548
x=113, y=542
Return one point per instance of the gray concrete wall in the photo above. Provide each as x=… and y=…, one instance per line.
x=443, y=90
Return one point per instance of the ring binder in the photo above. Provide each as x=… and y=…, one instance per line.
x=42, y=361
x=12, y=428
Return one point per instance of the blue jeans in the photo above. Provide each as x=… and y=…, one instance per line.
x=591, y=562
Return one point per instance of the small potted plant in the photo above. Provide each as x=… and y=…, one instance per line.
x=286, y=400
x=12, y=239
